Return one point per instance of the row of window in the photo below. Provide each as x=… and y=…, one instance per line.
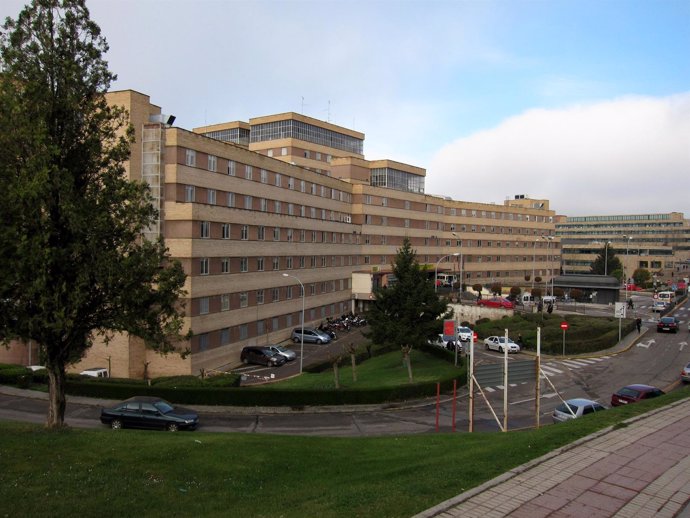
x=259, y=328
x=267, y=177
x=232, y=301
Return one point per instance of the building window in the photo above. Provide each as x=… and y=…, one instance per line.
x=291, y=182
x=269, y=152
x=231, y=167
x=224, y=336
x=288, y=292
x=275, y=295
x=225, y=265
x=203, y=306
x=291, y=209
x=289, y=235
x=244, y=264
x=283, y=151
x=276, y=233
x=276, y=263
x=244, y=299
x=263, y=202
x=205, y=229
x=277, y=207
x=231, y=199
x=288, y=262
x=212, y=163
x=190, y=158
x=189, y=193
x=264, y=176
x=203, y=341
x=244, y=234
x=279, y=180
x=211, y=196
x=225, y=231
x=244, y=332
x=203, y=266
x=259, y=296
x=259, y=264
x=301, y=261
x=248, y=202
x=261, y=233
x=248, y=172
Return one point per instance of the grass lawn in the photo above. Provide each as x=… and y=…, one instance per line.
x=386, y=370
x=126, y=472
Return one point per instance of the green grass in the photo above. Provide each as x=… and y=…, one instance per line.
x=386, y=370
x=124, y=473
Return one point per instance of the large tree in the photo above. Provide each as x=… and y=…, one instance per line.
x=407, y=312
x=75, y=266
x=606, y=262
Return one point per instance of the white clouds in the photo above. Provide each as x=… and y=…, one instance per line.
x=624, y=156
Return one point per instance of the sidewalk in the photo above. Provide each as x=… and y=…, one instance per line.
x=640, y=469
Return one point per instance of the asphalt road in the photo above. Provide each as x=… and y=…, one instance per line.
x=653, y=358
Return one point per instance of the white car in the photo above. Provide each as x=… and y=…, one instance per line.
x=658, y=306
x=574, y=408
x=440, y=342
x=498, y=343
x=464, y=333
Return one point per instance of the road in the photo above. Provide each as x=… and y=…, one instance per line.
x=656, y=359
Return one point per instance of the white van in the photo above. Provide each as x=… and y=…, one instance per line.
x=666, y=296
x=95, y=372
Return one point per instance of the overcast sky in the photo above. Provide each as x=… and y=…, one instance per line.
x=585, y=103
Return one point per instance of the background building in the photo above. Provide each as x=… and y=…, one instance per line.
x=255, y=211
x=659, y=243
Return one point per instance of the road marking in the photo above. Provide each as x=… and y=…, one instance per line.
x=551, y=370
x=683, y=344
x=646, y=346
x=571, y=364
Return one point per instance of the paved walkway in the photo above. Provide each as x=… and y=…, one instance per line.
x=641, y=469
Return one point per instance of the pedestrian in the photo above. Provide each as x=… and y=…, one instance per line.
x=519, y=339
x=638, y=323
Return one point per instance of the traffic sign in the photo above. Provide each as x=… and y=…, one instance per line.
x=564, y=325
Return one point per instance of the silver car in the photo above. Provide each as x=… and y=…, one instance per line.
x=288, y=354
x=311, y=335
x=574, y=408
x=685, y=374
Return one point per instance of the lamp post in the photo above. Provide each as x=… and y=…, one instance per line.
x=606, y=257
x=436, y=269
x=534, y=260
x=548, y=258
x=301, y=348
x=462, y=280
x=625, y=275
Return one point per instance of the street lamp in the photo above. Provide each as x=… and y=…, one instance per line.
x=625, y=275
x=548, y=258
x=534, y=260
x=301, y=348
x=436, y=269
x=606, y=257
x=461, y=261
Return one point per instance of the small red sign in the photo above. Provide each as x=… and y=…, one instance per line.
x=564, y=325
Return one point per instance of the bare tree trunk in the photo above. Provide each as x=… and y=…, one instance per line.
x=336, y=373
x=406, y=349
x=353, y=350
x=56, y=397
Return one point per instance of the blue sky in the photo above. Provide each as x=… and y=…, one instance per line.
x=584, y=103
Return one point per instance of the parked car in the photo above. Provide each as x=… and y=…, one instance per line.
x=261, y=355
x=634, y=393
x=311, y=335
x=632, y=287
x=670, y=324
x=95, y=372
x=283, y=351
x=464, y=333
x=658, y=306
x=685, y=374
x=438, y=341
x=498, y=343
x=149, y=412
x=495, y=302
x=574, y=408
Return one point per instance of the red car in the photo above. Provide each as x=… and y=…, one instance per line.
x=634, y=393
x=632, y=287
x=496, y=302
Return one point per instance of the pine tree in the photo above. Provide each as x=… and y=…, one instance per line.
x=75, y=267
x=407, y=312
